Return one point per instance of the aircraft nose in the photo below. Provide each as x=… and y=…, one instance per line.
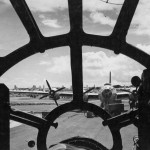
x=107, y=93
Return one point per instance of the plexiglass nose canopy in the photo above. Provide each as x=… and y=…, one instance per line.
x=76, y=38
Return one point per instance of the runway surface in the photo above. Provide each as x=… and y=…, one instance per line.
x=69, y=124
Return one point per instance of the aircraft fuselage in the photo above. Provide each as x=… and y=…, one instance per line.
x=107, y=95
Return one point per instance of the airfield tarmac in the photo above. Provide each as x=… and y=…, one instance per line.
x=69, y=125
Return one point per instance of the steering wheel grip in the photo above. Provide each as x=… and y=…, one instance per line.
x=54, y=114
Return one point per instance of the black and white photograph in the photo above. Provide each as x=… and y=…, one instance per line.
x=74, y=75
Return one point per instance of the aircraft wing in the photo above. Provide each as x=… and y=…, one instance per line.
x=120, y=95
x=70, y=95
x=62, y=94
x=66, y=94
x=27, y=92
x=123, y=95
x=93, y=96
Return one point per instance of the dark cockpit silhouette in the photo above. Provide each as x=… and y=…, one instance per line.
x=76, y=39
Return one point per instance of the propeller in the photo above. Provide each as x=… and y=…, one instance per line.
x=52, y=93
x=85, y=97
x=48, y=85
x=90, y=89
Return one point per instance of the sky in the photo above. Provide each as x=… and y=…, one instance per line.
x=52, y=19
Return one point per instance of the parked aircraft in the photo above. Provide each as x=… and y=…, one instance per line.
x=108, y=95
x=34, y=93
x=76, y=38
x=55, y=96
x=52, y=93
x=111, y=98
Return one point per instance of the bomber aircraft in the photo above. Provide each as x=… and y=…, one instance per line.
x=76, y=38
x=110, y=98
x=53, y=94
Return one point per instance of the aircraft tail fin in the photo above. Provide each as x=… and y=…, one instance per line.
x=15, y=87
x=110, y=77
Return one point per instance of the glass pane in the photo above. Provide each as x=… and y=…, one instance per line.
x=12, y=33
x=98, y=62
x=75, y=123
x=20, y=135
x=99, y=17
x=139, y=31
x=97, y=65
x=51, y=16
x=53, y=65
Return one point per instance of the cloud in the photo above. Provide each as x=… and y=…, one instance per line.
x=44, y=63
x=57, y=65
x=100, y=12
x=49, y=22
x=138, y=25
x=145, y=48
x=3, y=79
x=5, y=1
x=47, y=5
x=96, y=5
x=141, y=19
x=98, y=17
x=102, y=64
x=96, y=67
x=122, y=68
x=23, y=81
x=53, y=5
x=44, y=5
